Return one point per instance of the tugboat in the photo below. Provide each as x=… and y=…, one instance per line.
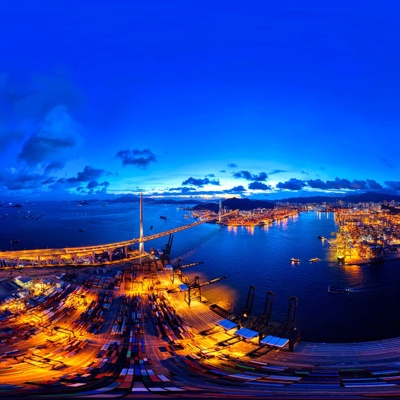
x=333, y=289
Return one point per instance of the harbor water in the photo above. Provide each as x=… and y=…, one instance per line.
x=258, y=256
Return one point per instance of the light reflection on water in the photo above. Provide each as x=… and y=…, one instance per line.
x=259, y=256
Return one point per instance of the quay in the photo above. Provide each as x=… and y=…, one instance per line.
x=361, y=261
x=139, y=328
x=143, y=338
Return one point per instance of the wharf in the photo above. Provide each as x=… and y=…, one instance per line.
x=176, y=348
x=317, y=354
x=363, y=261
x=318, y=370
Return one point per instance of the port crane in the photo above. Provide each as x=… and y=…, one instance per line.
x=245, y=312
x=177, y=270
x=290, y=323
x=192, y=288
x=286, y=330
x=262, y=322
x=166, y=251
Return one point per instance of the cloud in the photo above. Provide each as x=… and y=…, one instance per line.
x=373, y=184
x=292, y=184
x=182, y=190
x=139, y=158
x=316, y=184
x=259, y=186
x=54, y=166
x=57, y=137
x=394, y=185
x=198, y=193
x=49, y=180
x=339, y=184
x=232, y=165
x=92, y=184
x=25, y=182
x=25, y=102
x=200, y=182
x=276, y=171
x=88, y=174
x=262, y=176
x=235, y=189
x=344, y=184
x=336, y=184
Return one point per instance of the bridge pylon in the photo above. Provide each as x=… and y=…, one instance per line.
x=141, y=244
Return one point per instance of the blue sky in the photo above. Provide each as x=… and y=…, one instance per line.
x=198, y=98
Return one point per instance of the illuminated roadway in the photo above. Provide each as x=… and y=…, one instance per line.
x=37, y=254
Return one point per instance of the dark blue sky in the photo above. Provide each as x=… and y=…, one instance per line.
x=260, y=99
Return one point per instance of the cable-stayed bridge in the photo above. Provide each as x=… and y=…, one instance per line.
x=61, y=255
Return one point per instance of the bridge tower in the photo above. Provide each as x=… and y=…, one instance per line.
x=220, y=211
x=141, y=244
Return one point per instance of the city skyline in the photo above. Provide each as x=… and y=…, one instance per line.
x=203, y=101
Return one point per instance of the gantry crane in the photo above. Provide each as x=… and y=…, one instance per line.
x=194, y=287
x=177, y=270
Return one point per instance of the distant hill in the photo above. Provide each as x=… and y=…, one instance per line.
x=372, y=196
x=375, y=197
x=248, y=204
x=131, y=198
x=236, y=204
x=170, y=201
x=126, y=198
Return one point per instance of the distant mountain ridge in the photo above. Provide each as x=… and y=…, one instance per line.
x=249, y=204
x=236, y=204
x=376, y=197
x=131, y=198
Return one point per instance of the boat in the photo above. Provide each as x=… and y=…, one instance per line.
x=295, y=260
x=320, y=237
x=163, y=217
x=315, y=259
x=334, y=289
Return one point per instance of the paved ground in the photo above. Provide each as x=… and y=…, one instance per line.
x=317, y=370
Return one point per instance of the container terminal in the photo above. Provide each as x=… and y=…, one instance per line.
x=143, y=327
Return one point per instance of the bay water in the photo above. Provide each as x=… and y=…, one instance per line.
x=249, y=256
